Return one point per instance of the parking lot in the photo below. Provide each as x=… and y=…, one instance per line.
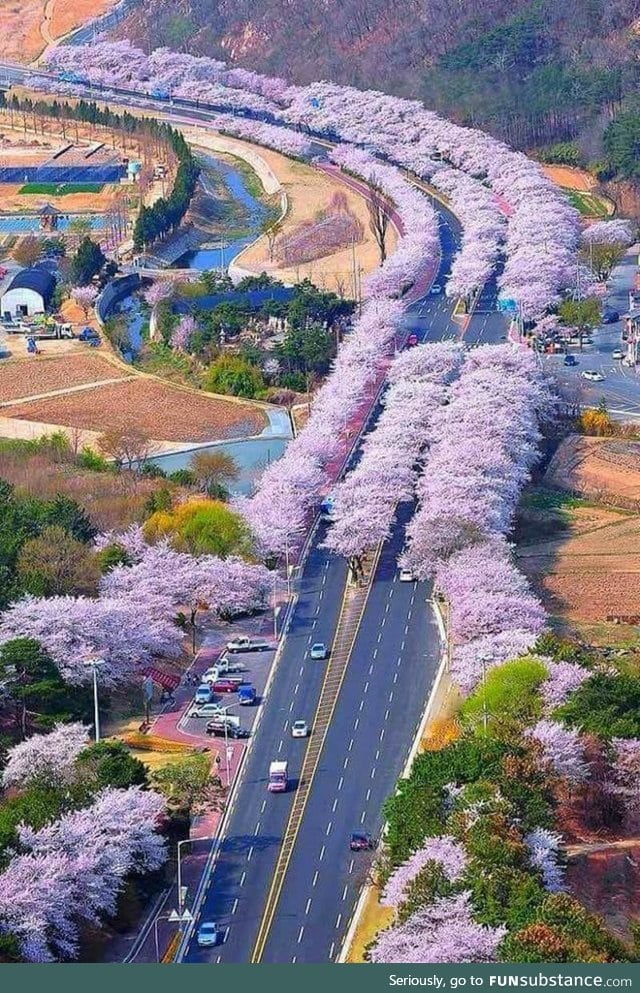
x=256, y=671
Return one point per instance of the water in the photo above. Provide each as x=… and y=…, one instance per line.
x=251, y=456
x=216, y=258
x=18, y=224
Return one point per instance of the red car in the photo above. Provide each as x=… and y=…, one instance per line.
x=225, y=686
x=412, y=341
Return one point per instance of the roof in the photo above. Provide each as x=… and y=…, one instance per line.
x=251, y=299
x=48, y=208
x=39, y=280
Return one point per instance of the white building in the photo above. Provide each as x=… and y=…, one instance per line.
x=29, y=292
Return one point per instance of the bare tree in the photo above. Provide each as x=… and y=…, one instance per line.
x=271, y=230
x=379, y=216
x=127, y=446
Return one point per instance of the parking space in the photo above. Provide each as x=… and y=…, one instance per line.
x=256, y=668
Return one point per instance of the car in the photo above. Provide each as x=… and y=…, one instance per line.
x=246, y=695
x=617, y=354
x=88, y=334
x=299, y=729
x=208, y=935
x=412, y=341
x=610, y=316
x=224, y=686
x=435, y=289
x=207, y=710
x=570, y=360
x=245, y=644
x=203, y=694
x=220, y=728
x=406, y=576
x=593, y=376
x=361, y=842
x=318, y=651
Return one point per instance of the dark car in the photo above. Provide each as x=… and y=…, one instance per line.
x=610, y=316
x=221, y=729
x=224, y=686
x=412, y=341
x=88, y=334
x=361, y=842
x=570, y=360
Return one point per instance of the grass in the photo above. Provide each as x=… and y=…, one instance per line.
x=589, y=204
x=60, y=189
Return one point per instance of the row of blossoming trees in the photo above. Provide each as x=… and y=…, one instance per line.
x=456, y=434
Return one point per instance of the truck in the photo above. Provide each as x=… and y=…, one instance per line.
x=246, y=696
x=277, y=777
x=245, y=644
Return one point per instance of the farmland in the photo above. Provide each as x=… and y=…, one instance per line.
x=59, y=189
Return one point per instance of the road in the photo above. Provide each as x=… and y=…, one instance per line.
x=621, y=386
x=391, y=669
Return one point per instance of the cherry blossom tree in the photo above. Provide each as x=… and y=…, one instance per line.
x=564, y=679
x=74, y=869
x=544, y=848
x=49, y=758
x=443, y=931
x=127, y=633
x=445, y=851
x=85, y=297
x=562, y=748
x=183, y=334
x=626, y=773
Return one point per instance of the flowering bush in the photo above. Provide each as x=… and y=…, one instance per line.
x=445, y=851
x=48, y=758
x=562, y=748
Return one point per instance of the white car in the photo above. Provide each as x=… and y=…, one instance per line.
x=593, y=376
x=208, y=935
x=435, y=289
x=406, y=576
x=299, y=729
x=207, y=710
x=617, y=354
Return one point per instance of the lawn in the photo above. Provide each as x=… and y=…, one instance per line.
x=60, y=189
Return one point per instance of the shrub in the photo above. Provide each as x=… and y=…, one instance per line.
x=511, y=692
x=605, y=705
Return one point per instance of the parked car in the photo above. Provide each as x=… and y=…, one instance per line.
x=88, y=334
x=208, y=935
x=222, y=729
x=610, y=316
x=617, y=354
x=593, y=376
x=570, y=360
x=207, y=710
x=224, y=686
x=245, y=644
x=299, y=729
x=203, y=694
x=246, y=695
x=412, y=341
x=318, y=651
x=361, y=842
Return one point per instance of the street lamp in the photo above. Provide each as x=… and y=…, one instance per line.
x=230, y=706
x=182, y=891
x=176, y=918
x=95, y=664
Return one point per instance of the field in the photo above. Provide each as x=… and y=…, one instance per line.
x=579, y=540
x=60, y=189
x=308, y=191
x=28, y=26
x=161, y=411
x=36, y=375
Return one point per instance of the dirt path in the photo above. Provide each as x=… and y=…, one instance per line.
x=588, y=847
x=45, y=24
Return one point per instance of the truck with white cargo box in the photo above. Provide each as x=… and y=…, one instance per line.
x=278, y=779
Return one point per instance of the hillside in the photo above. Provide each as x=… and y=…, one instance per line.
x=532, y=72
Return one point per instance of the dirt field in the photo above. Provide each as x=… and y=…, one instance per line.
x=27, y=26
x=40, y=374
x=309, y=191
x=163, y=412
x=605, y=469
x=570, y=178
